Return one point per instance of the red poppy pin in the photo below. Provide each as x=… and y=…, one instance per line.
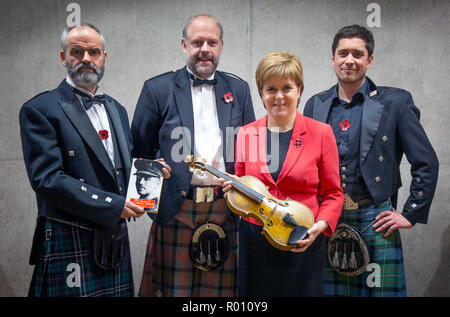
x=345, y=125
x=228, y=97
x=103, y=134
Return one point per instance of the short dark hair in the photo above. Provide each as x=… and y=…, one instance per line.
x=354, y=31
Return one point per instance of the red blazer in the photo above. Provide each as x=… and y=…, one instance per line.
x=311, y=168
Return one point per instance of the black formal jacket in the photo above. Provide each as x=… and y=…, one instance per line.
x=390, y=128
x=163, y=126
x=67, y=165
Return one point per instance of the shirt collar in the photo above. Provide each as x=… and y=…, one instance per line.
x=360, y=93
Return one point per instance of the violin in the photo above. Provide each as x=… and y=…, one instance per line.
x=284, y=222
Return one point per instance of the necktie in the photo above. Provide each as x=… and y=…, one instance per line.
x=199, y=82
x=88, y=100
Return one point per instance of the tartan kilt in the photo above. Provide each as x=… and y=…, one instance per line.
x=168, y=270
x=385, y=252
x=65, y=267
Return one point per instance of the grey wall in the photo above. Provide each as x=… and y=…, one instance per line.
x=143, y=40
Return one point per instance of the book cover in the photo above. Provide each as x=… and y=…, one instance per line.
x=145, y=184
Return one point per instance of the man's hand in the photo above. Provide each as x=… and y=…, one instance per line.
x=313, y=232
x=131, y=210
x=392, y=220
x=166, y=169
x=226, y=185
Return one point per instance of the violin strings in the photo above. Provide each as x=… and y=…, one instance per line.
x=237, y=184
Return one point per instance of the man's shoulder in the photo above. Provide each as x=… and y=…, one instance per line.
x=232, y=78
x=379, y=92
x=42, y=98
x=167, y=76
x=161, y=83
x=392, y=92
x=323, y=95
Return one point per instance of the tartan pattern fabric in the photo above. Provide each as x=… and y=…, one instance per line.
x=168, y=270
x=68, y=248
x=385, y=252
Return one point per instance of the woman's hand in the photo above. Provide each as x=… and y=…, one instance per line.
x=313, y=232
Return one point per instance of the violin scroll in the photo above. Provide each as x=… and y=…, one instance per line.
x=195, y=164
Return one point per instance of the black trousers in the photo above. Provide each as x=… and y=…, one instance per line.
x=265, y=271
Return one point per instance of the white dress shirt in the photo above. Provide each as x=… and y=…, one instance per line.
x=98, y=116
x=207, y=133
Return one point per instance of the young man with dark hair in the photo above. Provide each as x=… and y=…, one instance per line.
x=374, y=126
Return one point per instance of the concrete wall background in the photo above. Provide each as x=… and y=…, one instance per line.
x=143, y=40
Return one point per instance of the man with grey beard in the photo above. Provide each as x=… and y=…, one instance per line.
x=76, y=145
x=192, y=111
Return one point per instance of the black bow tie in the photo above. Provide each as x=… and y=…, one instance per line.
x=87, y=100
x=199, y=82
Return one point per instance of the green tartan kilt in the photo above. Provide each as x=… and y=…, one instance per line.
x=385, y=274
x=66, y=267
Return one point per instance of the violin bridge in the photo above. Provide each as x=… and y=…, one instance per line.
x=274, y=209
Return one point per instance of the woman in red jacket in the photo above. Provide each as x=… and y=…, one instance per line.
x=295, y=157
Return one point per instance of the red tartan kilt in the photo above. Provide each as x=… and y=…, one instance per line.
x=168, y=270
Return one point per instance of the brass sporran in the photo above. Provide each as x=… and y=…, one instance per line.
x=347, y=252
x=209, y=247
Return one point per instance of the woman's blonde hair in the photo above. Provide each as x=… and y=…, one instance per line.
x=279, y=64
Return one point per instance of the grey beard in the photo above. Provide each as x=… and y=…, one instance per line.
x=85, y=79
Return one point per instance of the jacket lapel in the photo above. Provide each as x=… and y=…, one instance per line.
x=295, y=147
x=371, y=116
x=322, y=106
x=223, y=108
x=120, y=136
x=77, y=115
x=370, y=121
x=260, y=137
x=183, y=99
x=223, y=112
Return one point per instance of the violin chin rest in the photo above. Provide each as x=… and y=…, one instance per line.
x=298, y=233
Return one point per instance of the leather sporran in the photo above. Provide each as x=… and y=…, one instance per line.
x=111, y=246
x=347, y=252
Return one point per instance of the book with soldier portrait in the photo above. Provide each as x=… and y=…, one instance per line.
x=145, y=184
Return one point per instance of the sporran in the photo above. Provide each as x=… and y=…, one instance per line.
x=347, y=252
x=209, y=247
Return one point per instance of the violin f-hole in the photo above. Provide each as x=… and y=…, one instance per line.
x=261, y=211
